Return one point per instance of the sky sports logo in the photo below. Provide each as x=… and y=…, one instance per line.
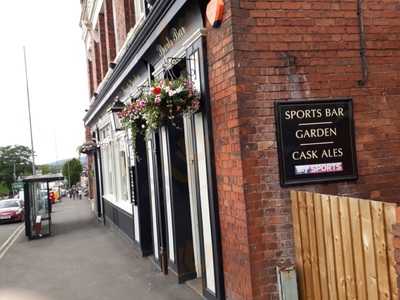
x=319, y=168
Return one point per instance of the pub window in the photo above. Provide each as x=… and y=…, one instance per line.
x=105, y=140
x=122, y=170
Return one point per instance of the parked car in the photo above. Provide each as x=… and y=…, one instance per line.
x=11, y=210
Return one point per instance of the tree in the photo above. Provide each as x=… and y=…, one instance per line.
x=72, y=171
x=15, y=161
x=45, y=169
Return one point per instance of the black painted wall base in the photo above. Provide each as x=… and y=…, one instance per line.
x=120, y=218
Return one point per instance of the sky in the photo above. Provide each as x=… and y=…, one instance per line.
x=57, y=74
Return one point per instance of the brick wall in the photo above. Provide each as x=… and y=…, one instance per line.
x=96, y=65
x=103, y=45
x=90, y=77
x=228, y=160
x=121, y=21
x=129, y=14
x=268, y=51
x=109, y=30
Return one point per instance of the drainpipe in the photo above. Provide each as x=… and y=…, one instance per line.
x=364, y=62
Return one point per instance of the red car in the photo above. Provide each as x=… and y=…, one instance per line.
x=11, y=210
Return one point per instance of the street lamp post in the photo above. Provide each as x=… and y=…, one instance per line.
x=29, y=112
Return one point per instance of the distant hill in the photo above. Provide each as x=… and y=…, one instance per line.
x=60, y=163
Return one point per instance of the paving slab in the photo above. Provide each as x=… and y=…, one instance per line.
x=83, y=260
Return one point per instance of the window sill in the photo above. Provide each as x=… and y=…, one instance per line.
x=125, y=205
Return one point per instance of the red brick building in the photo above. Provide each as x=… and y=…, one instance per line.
x=263, y=52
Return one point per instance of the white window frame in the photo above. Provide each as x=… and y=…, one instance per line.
x=121, y=145
x=112, y=143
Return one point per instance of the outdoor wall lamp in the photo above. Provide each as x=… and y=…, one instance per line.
x=117, y=107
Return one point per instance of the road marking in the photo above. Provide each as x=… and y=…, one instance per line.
x=11, y=240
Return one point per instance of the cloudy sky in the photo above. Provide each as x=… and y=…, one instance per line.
x=57, y=76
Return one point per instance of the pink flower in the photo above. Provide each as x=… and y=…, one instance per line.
x=141, y=103
x=157, y=100
x=196, y=104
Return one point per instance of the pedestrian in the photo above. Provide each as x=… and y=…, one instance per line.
x=73, y=192
x=80, y=194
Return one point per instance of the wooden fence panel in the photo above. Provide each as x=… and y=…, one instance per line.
x=357, y=248
x=348, y=254
x=390, y=218
x=344, y=247
x=313, y=245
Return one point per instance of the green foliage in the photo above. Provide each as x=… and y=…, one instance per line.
x=4, y=191
x=162, y=102
x=72, y=171
x=18, y=156
x=45, y=169
x=50, y=169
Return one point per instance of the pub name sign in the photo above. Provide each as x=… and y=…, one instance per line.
x=315, y=141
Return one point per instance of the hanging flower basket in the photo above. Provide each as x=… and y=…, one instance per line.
x=162, y=102
x=87, y=147
x=132, y=118
x=167, y=99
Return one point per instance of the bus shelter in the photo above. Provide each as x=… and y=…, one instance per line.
x=38, y=205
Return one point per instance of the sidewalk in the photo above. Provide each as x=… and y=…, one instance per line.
x=82, y=260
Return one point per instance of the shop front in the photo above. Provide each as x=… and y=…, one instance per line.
x=158, y=188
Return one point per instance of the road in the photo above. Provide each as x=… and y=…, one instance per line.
x=6, y=230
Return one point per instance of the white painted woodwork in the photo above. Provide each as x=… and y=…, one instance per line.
x=136, y=223
x=167, y=187
x=192, y=193
x=153, y=197
x=204, y=199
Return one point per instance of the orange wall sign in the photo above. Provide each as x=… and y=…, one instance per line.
x=215, y=12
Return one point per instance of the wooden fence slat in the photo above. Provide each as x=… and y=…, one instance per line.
x=313, y=245
x=380, y=250
x=308, y=278
x=369, y=251
x=319, y=227
x=347, y=248
x=344, y=247
x=297, y=242
x=390, y=220
x=337, y=243
x=358, y=248
x=329, y=247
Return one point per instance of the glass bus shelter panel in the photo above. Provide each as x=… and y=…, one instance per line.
x=40, y=210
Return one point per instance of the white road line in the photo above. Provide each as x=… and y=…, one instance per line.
x=10, y=237
x=11, y=240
